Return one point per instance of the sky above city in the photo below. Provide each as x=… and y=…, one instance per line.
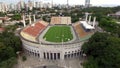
x=75, y=2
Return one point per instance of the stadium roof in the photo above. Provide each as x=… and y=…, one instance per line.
x=86, y=25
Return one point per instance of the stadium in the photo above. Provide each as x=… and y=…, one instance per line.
x=57, y=40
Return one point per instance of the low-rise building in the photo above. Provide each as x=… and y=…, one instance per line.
x=1, y=29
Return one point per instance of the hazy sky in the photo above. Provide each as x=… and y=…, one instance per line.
x=80, y=2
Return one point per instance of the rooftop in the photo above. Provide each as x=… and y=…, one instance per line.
x=117, y=13
x=86, y=25
x=1, y=29
x=4, y=18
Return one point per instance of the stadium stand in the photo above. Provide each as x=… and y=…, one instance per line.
x=80, y=30
x=61, y=20
x=55, y=20
x=32, y=31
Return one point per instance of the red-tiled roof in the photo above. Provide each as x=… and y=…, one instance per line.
x=3, y=18
x=34, y=30
x=1, y=29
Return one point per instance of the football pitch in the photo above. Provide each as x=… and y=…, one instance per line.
x=58, y=34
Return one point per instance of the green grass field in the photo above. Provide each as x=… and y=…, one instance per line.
x=58, y=34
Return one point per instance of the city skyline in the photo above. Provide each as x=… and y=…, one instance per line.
x=76, y=2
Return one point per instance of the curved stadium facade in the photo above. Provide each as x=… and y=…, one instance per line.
x=36, y=43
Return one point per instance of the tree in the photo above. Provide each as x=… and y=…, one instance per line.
x=108, y=24
x=8, y=63
x=9, y=45
x=16, y=17
x=6, y=52
x=91, y=63
x=11, y=28
x=2, y=14
x=24, y=58
x=104, y=50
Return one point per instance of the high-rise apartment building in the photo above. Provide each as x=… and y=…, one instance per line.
x=3, y=7
x=87, y=3
x=30, y=4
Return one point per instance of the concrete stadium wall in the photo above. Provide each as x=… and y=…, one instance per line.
x=52, y=52
x=28, y=37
